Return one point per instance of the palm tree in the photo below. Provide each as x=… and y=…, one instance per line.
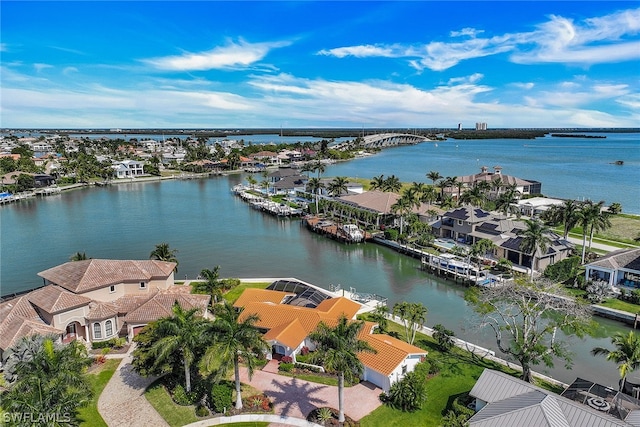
x=163, y=252
x=182, y=333
x=473, y=196
x=319, y=168
x=506, y=202
x=235, y=337
x=337, y=349
x=338, y=186
x=600, y=221
x=50, y=379
x=588, y=215
x=211, y=285
x=534, y=240
x=314, y=185
x=434, y=176
x=413, y=316
x=78, y=256
x=392, y=184
x=402, y=207
x=496, y=185
x=566, y=214
x=428, y=195
x=626, y=354
x=377, y=182
x=252, y=181
x=480, y=248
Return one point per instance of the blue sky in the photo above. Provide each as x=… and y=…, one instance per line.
x=319, y=64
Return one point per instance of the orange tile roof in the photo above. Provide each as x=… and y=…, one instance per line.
x=87, y=275
x=290, y=334
x=336, y=307
x=260, y=295
x=390, y=353
x=54, y=299
x=272, y=315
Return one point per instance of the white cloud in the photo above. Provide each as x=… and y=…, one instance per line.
x=524, y=86
x=362, y=51
x=595, y=40
x=232, y=55
x=69, y=70
x=39, y=67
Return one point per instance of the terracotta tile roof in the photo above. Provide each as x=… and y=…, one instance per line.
x=54, y=299
x=290, y=334
x=390, y=353
x=336, y=307
x=103, y=310
x=260, y=295
x=87, y=275
x=18, y=318
x=128, y=303
x=160, y=306
x=273, y=315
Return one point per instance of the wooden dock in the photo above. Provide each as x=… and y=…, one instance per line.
x=332, y=230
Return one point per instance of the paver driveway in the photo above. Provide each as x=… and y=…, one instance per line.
x=296, y=398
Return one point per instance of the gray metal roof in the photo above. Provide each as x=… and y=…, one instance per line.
x=513, y=402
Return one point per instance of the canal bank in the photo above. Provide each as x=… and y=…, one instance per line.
x=209, y=226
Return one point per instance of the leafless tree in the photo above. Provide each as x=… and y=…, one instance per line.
x=525, y=316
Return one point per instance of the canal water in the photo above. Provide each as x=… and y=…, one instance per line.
x=209, y=226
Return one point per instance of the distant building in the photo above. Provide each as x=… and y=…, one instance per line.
x=481, y=126
x=459, y=126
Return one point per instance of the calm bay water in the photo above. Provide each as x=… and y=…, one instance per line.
x=209, y=226
x=577, y=168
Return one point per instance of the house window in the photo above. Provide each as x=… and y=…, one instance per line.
x=404, y=369
x=108, y=326
x=143, y=285
x=112, y=288
x=97, y=331
x=460, y=222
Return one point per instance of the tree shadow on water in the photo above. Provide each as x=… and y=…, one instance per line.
x=286, y=394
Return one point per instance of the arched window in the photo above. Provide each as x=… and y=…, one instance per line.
x=97, y=331
x=108, y=326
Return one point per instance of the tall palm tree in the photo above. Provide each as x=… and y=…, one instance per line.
x=377, y=182
x=480, y=248
x=392, y=184
x=534, y=240
x=314, y=185
x=163, y=252
x=338, y=186
x=506, y=201
x=428, y=195
x=434, y=176
x=337, y=351
x=182, y=333
x=234, y=338
x=566, y=214
x=626, y=354
x=211, y=284
x=587, y=215
x=600, y=221
x=402, y=207
x=496, y=185
x=473, y=196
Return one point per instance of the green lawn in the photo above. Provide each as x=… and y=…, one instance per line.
x=235, y=293
x=174, y=415
x=89, y=416
x=621, y=305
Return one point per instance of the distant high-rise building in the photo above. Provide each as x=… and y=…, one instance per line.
x=459, y=126
x=481, y=126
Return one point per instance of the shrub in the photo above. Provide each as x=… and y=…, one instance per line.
x=563, y=270
x=202, y=411
x=304, y=350
x=423, y=369
x=181, y=397
x=100, y=359
x=259, y=401
x=286, y=359
x=285, y=367
x=408, y=394
x=391, y=234
x=221, y=397
x=308, y=368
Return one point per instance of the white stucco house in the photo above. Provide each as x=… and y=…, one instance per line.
x=620, y=269
x=128, y=169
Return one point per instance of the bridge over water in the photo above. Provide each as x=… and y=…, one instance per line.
x=383, y=140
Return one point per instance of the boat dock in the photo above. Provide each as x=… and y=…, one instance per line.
x=346, y=233
x=264, y=204
x=454, y=267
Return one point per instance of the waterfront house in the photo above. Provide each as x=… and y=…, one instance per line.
x=381, y=202
x=468, y=224
x=96, y=300
x=535, y=206
x=505, y=401
x=128, y=169
x=619, y=269
x=288, y=317
x=498, y=182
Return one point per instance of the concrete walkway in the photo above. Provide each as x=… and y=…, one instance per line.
x=122, y=402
